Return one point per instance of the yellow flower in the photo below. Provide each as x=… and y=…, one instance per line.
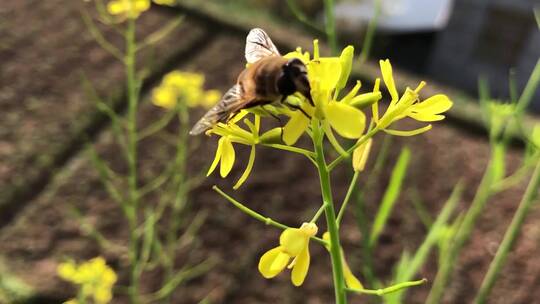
x=350, y=279
x=94, y=277
x=128, y=8
x=327, y=76
x=293, y=244
x=165, y=2
x=186, y=87
x=231, y=132
x=409, y=105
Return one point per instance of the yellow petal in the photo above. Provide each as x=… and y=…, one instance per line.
x=115, y=8
x=422, y=116
x=217, y=157
x=272, y=136
x=350, y=279
x=348, y=121
x=246, y=173
x=360, y=155
x=273, y=262
x=301, y=267
x=102, y=295
x=434, y=105
x=364, y=100
x=67, y=270
x=164, y=96
x=351, y=93
x=346, y=59
x=304, y=57
x=227, y=157
x=293, y=240
x=386, y=70
x=408, y=133
x=327, y=70
x=294, y=128
x=141, y=5
x=332, y=139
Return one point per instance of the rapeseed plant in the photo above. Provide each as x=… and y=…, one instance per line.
x=93, y=278
x=330, y=114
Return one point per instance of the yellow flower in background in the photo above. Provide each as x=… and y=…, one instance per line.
x=94, y=277
x=186, y=87
x=409, y=105
x=293, y=244
x=350, y=280
x=165, y=2
x=128, y=8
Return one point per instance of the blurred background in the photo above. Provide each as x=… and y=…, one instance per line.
x=49, y=186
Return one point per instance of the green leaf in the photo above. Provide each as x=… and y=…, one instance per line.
x=390, y=196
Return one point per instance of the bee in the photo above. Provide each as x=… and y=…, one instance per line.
x=269, y=78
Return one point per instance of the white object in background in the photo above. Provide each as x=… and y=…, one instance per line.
x=400, y=16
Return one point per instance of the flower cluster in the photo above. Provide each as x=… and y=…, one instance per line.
x=334, y=111
x=132, y=9
x=127, y=9
x=343, y=114
x=185, y=87
x=94, y=278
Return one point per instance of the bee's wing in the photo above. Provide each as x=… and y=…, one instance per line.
x=259, y=45
x=231, y=102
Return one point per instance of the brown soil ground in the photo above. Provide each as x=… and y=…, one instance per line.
x=43, y=102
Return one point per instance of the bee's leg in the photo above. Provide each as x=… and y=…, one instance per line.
x=297, y=107
x=272, y=114
x=278, y=119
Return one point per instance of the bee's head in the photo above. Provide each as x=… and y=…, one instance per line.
x=295, y=79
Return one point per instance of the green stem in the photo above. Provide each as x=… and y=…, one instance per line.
x=132, y=158
x=305, y=152
x=254, y=214
x=530, y=89
x=333, y=230
x=330, y=25
x=510, y=236
x=297, y=12
x=347, y=196
x=390, y=289
x=462, y=236
x=319, y=213
x=370, y=32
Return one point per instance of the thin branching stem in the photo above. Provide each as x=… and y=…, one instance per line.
x=347, y=198
x=362, y=140
x=387, y=290
x=370, y=32
x=99, y=38
x=330, y=25
x=254, y=214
